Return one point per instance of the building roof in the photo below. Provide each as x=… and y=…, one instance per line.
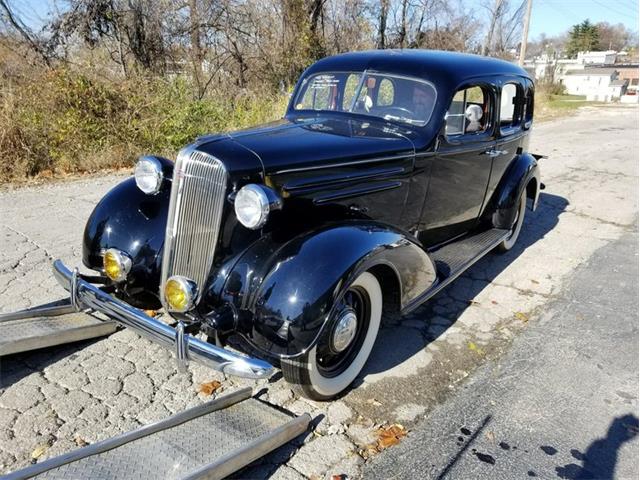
x=607, y=72
x=617, y=83
x=435, y=65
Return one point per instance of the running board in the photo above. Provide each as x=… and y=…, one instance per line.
x=211, y=441
x=454, y=258
x=48, y=325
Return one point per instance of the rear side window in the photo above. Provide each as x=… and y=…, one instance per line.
x=510, y=106
x=469, y=112
x=528, y=105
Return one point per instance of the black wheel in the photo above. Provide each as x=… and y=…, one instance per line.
x=508, y=243
x=336, y=360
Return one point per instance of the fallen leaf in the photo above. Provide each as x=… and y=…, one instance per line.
x=39, y=451
x=494, y=302
x=151, y=313
x=490, y=436
x=474, y=348
x=208, y=388
x=81, y=442
x=535, y=281
x=374, y=402
x=390, y=436
x=523, y=317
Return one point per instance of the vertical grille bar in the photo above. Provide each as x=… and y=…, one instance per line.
x=195, y=210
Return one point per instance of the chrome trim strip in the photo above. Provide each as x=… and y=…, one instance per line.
x=128, y=437
x=294, y=186
x=356, y=192
x=344, y=164
x=226, y=361
x=198, y=194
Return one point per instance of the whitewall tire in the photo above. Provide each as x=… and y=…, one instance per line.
x=328, y=368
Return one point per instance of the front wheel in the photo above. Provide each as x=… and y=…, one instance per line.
x=335, y=361
x=508, y=243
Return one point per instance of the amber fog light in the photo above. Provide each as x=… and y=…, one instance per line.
x=180, y=293
x=116, y=264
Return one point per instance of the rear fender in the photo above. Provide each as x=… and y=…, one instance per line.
x=286, y=292
x=523, y=173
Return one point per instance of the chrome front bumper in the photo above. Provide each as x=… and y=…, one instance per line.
x=84, y=295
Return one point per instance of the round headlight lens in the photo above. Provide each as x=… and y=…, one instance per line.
x=116, y=264
x=148, y=175
x=252, y=206
x=180, y=293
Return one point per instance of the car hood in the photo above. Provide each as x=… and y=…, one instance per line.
x=301, y=143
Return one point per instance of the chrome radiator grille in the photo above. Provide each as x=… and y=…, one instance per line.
x=195, y=211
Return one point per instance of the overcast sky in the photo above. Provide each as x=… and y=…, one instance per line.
x=548, y=16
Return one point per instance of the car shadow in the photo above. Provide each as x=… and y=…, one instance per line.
x=17, y=366
x=393, y=348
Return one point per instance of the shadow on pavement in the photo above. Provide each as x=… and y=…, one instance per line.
x=599, y=461
x=393, y=347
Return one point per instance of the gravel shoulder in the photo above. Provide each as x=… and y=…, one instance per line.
x=55, y=399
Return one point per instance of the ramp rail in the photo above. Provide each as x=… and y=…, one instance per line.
x=209, y=441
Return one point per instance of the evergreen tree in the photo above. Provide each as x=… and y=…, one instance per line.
x=582, y=38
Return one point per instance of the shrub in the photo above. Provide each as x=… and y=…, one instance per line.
x=66, y=122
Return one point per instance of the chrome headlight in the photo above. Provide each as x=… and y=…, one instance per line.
x=253, y=204
x=148, y=175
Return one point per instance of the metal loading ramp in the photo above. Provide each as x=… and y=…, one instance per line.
x=53, y=324
x=209, y=441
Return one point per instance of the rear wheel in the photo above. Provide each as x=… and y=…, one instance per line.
x=508, y=243
x=335, y=361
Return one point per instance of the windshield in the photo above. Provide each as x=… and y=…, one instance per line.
x=391, y=97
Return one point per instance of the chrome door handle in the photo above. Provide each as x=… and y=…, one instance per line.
x=495, y=153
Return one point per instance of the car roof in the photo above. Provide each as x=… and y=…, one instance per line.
x=436, y=65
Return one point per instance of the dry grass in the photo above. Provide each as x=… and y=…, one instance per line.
x=60, y=122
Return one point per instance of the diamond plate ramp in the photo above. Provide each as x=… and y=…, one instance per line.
x=32, y=333
x=210, y=441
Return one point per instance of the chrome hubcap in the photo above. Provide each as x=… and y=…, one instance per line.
x=345, y=330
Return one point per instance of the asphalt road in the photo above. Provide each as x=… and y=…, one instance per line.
x=55, y=399
x=563, y=403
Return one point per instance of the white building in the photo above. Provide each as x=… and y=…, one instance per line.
x=600, y=58
x=597, y=84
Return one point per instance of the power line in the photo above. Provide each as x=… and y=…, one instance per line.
x=608, y=7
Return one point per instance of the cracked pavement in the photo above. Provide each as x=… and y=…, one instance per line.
x=55, y=399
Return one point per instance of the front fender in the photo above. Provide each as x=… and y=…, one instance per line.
x=522, y=170
x=133, y=222
x=287, y=291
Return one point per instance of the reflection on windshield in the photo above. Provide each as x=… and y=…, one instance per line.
x=391, y=97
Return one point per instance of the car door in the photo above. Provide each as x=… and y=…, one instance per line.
x=461, y=167
x=511, y=127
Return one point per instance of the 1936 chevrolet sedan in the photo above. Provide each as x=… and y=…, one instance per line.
x=390, y=174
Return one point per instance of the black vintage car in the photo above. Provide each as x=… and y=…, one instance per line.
x=390, y=174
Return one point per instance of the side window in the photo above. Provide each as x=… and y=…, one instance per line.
x=386, y=93
x=510, y=104
x=350, y=86
x=469, y=112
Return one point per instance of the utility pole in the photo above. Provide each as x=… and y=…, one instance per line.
x=525, y=33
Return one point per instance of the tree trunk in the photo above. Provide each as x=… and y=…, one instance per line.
x=382, y=23
x=196, y=47
x=495, y=14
